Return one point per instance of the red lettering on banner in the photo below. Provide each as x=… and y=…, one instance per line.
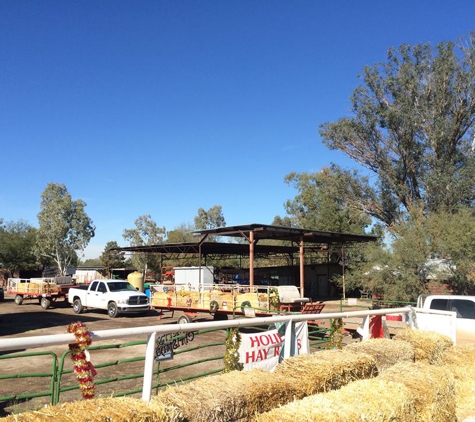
x=276, y=351
x=250, y=356
x=299, y=344
x=255, y=341
x=262, y=354
x=265, y=340
x=277, y=338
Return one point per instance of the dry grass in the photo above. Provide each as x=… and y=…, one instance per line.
x=372, y=400
x=228, y=397
x=101, y=410
x=432, y=387
x=385, y=352
x=327, y=370
x=460, y=360
x=428, y=346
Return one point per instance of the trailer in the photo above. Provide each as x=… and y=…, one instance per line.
x=219, y=300
x=46, y=290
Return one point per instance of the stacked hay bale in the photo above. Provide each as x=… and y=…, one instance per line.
x=364, y=400
x=459, y=360
x=431, y=386
x=100, y=410
x=384, y=351
x=241, y=395
x=428, y=346
x=406, y=392
x=326, y=370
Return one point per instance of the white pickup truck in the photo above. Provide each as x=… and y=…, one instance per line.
x=463, y=306
x=115, y=296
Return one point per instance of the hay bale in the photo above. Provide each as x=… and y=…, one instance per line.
x=433, y=389
x=228, y=397
x=372, y=400
x=385, y=351
x=326, y=370
x=459, y=360
x=428, y=346
x=117, y=409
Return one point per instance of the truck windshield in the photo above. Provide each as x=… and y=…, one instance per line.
x=119, y=286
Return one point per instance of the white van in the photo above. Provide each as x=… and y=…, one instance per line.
x=463, y=306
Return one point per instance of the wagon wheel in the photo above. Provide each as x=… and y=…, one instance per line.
x=184, y=319
x=18, y=299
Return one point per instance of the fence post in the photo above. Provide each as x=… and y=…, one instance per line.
x=148, y=368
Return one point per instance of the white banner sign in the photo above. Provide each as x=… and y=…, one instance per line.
x=267, y=349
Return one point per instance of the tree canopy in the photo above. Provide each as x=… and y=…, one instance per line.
x=146, y=232
x=64, y=227
x=111, y=259
x=17, y=242
x=412, y=130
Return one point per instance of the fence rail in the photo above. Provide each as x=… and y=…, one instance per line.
x=150, y=375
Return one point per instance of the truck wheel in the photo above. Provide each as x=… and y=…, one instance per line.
x=112, y=310
x=184, y=319
x=77, y=306
x=45, y=303
x=18, y=299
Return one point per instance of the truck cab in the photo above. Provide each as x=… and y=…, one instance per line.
x=463, y=306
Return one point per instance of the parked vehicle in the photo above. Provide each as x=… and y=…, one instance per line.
x=44, y=290
x=463, y=306
x=115, y=296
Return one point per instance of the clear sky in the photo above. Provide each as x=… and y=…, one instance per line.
x=162, y=107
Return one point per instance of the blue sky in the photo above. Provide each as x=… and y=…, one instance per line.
x=162, y=107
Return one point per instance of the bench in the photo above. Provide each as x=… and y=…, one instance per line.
x=289, y=297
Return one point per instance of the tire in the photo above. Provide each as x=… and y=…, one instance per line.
x=184, y=319
x=18, y=299
x=45, y=302
x=112, y=310
x=77, y=306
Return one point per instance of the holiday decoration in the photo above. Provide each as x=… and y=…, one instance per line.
x=231, y=357
x=83, y=368
x=336, y=334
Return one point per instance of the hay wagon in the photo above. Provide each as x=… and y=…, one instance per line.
x=219, y=300
x=45, y=290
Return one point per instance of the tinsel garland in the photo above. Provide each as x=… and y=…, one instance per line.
x=83, y=369
x=231, y=357
x=336, y=334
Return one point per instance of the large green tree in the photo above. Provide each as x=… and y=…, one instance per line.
x=440, y=245
x=211, y=219
x=317, y=206
x=182, y=233
x=111, y=259
x=146, y=232
x=64, y=227
x=412, y=132
x=17, y=242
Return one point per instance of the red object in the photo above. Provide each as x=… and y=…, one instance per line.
x=169, y=301
x=393, y=317
x=376, y=326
